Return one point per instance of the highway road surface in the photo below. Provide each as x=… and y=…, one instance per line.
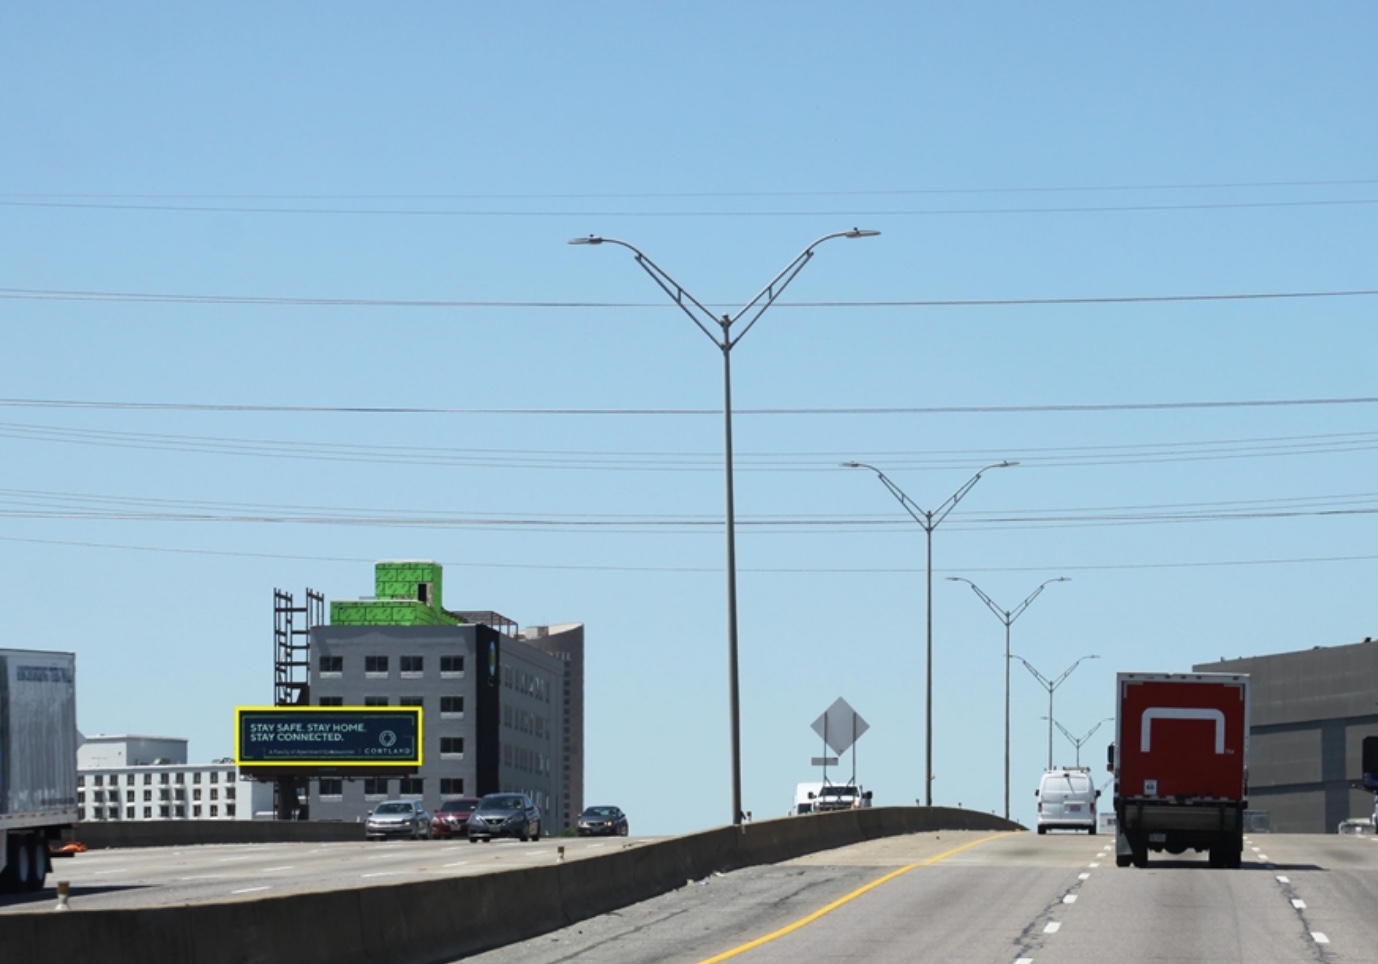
x=948, y=897
x=999, y=899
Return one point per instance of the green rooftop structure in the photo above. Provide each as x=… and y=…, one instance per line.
x=406, y=593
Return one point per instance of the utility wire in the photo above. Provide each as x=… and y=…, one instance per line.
x=57, y=294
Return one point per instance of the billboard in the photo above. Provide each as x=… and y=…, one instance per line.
x=327, y=736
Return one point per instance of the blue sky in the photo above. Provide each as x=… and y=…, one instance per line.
x=1132, y=250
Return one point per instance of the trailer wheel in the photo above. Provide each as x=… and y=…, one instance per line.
x=38, y=862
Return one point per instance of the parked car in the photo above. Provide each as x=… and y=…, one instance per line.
x=398, y=818
x=602, y=822
x=452, y=819
x=505, y=815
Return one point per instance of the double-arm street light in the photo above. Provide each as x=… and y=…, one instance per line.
x=725, y=340
x=1050, y=685
x=1007, y=616
x=929, y=521
x=1079, y=743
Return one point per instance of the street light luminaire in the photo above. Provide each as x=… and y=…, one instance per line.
x=725, y=340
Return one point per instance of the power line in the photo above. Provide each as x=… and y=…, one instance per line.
x=145, y=297
x=166, y=208
x=881, y=192
x=109, y=405
x=641, y=568
x=665, y=461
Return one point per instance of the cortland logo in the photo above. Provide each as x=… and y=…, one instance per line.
x=1181, y=713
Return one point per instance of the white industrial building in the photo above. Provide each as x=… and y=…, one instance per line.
x=140, y=778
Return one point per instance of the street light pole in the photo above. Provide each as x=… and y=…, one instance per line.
x=726, y=341
x=1052, y=685
x=1078, y=743
x=929, y=521
x=1007, y=616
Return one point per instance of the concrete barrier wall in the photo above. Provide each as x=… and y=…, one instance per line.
x=441, y=920
x=186, y=833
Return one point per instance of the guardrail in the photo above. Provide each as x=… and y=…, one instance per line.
x=441, y=920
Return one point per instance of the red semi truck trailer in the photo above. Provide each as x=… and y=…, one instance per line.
x=1181, y=765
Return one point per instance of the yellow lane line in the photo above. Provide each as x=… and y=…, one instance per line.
x=742, y=949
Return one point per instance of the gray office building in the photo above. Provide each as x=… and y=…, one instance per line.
x=1310, y=713
x=502, y=708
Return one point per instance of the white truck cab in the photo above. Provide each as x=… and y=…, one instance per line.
x=1067, y=800
x=841, y=796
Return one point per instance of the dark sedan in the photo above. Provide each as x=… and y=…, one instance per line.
x=602, y=822
x=505, y=815
x=452, y=817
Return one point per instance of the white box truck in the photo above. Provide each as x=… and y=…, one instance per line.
x=38, y=761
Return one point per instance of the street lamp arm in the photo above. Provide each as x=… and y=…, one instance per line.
x=1000, y=614
x=1034, y=595
x=940, y=513
x=763, y=300
x=921, y=517
x=671, y=287
x=1068, y=671
x=776, y=286
x=1048, y=684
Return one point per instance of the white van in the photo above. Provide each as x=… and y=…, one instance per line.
x=1067, y=800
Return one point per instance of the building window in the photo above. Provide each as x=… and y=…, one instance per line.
x=375, y=665
x=196, y=778
x=411, y=701
x=451, y=785
x=181, y=812
x=215, y=794
x=411, y=786
x=452, y=705
x=229, y=793
x=129, y=796
x=452, y=666
x=163, y=812
x=332, y=701
x=181, y=778
x=148, y=796
x=163, y=778
x=414, y=665
x=452, y=746
x=129, y=813
x=332, y=787
x=332, y=664
x=148, y=779
x=375, y=701
x=148, y=813
x=196, y=794
x=215, y=776
x=229, y=810
x=196, y=812
x=375, y=787
x=215, y=811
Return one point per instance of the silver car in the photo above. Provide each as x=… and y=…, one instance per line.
x=398, y=818
x=505, y=815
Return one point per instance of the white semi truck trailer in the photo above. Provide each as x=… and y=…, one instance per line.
x=38, y=761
